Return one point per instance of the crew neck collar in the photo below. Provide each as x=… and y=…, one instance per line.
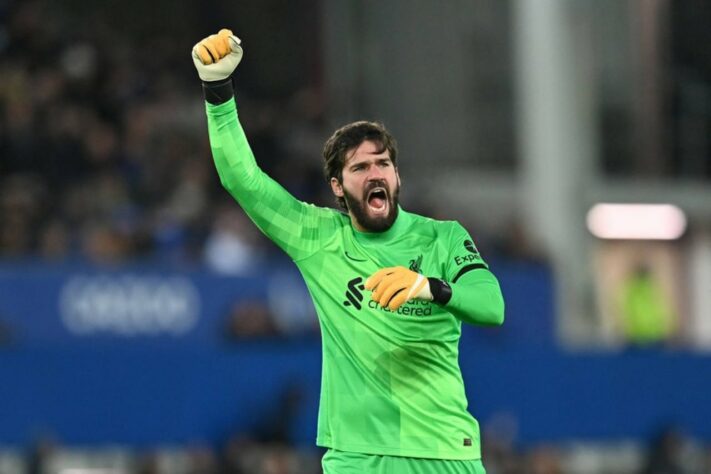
x=402, y=221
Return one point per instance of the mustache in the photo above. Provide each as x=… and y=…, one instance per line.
x=376, y=184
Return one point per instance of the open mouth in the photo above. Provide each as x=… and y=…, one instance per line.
x=378, y=200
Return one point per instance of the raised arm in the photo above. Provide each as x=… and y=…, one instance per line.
x=300, y=229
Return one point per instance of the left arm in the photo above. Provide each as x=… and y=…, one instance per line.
x=476, y=298
x=469, y=290
x=475, y=295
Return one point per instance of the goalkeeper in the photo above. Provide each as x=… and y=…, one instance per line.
x=391, y=290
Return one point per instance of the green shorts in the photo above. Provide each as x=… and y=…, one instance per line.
x=342, y=462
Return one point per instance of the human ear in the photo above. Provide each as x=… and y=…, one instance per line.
x=336, y=187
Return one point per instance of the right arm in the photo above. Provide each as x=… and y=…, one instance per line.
x=298, y=228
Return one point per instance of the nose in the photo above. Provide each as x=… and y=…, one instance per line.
x=375, y=174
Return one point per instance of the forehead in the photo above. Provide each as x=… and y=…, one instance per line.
x=367, y=150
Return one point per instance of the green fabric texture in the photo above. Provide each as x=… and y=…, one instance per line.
x=391, y=382
x=339, y=462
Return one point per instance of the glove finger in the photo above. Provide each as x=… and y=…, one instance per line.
x=377, y=277
x=391, y=290
x=211, y=46
x=398, y=300
x=202, y=54
x=385, y=282
x=222, y=45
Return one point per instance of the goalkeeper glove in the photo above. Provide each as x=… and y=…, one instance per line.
x=217, y=56
x=394, y=286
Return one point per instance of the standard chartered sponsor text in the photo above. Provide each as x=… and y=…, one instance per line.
x=413, y=308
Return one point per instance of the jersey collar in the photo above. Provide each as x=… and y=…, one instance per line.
x=402, y=222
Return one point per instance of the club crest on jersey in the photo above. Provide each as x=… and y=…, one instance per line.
x=416, y=264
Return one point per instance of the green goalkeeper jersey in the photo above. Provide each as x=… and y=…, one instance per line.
x=391, y=382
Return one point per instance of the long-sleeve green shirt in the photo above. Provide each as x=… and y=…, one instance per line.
x=391, y=382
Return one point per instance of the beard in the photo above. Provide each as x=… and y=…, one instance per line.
x=361, y=213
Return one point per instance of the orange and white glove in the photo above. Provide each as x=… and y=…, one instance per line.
x=394, y=286
x=217, y=56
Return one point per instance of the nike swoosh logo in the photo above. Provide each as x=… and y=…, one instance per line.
x=354, y=259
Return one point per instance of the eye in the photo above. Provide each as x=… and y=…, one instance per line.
x=384, y=164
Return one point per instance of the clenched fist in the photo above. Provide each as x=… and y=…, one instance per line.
x=217, y=56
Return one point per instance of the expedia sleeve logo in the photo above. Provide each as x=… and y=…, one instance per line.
x=469, y=245
x=468, y=262
x=472, y=256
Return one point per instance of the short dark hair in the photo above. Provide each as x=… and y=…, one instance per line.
x=349, y=137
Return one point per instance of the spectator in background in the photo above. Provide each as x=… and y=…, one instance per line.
x=544, y=460
x=202, y=460
x=54, y=241
x=249, y=319
x=148, y=464
x=40, y=454
x=100, y=164
x=498, y=445
x=231, y=246
x=21, y=209
x=647, y=315
x=665, y=454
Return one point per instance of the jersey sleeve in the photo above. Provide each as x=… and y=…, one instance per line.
x=298, y=228
x=476, y=295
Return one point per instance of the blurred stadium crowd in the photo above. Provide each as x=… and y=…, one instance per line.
x=105, y=154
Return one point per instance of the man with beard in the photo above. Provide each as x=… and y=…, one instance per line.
x=392, y=395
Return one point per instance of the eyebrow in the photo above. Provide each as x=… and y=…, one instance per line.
x=377, y=160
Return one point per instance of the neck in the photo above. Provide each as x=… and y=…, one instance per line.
x=356, y=224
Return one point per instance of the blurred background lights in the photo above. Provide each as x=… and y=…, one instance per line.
x=636, y=221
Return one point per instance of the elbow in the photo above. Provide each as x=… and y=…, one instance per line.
x=225, y=183
x=490, y=316
x=484, y=308
x=498, y=317
x=496, y=314
x=235, y=185
x=231, y=187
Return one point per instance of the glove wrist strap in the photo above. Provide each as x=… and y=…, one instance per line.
x=218, y=92
x=441, y=291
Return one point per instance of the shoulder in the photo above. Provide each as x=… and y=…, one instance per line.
x=437, y=225
x=434, y=227
x=338, y=218
x=451, y=232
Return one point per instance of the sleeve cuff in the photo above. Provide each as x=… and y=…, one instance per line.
x=441, y=291
x=218, y=92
